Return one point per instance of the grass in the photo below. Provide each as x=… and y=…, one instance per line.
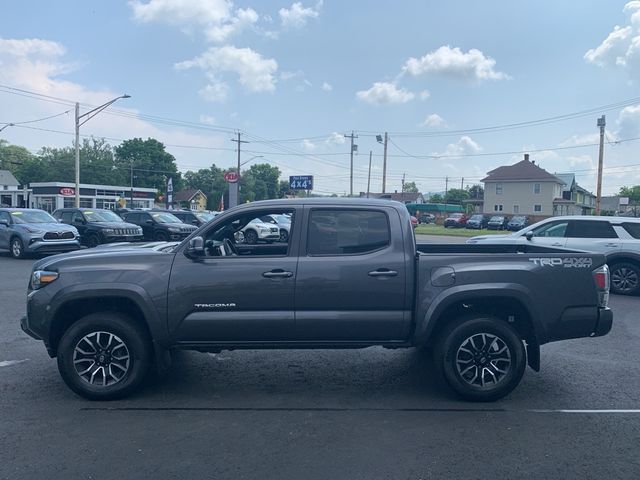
x=431, y=229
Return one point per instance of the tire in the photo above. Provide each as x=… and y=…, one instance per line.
x=16, y=248
x=92, y=240
x=125, y=362
x=161, y=237
x=250, y=237
x=625, y=278
x=284, y=236
x=498, y=375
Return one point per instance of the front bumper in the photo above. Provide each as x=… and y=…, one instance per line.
x=123, y=238
x=38, y=245
x=24, y=324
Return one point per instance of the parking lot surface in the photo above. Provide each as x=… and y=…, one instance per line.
x=360, y=414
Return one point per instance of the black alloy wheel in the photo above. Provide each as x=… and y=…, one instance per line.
x=104, y=356
x=17, y=248
x=625, y=279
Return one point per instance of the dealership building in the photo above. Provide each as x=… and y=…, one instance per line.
x=50, y=196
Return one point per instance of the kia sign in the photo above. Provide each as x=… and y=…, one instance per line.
x=301, y=182
x=231, y=177
x=67, y=192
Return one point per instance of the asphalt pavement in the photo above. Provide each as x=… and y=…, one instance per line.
x=327, y=414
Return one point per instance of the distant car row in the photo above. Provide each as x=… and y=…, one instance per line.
x=490, y=222
x=31, y=231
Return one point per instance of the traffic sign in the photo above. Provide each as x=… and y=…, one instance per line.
x=231, y=177
x=301, y=182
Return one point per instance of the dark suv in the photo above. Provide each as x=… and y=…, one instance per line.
x=159, y=226
x=98, y=226
x=190, y=217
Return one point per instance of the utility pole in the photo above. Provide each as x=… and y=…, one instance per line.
x=353, y=147
x=77, y=160
x=462, y=184
x=601, y=123
x=131, y=206
x=403, y=175
x=369, y=177
x=446, y=191
x=384, y=163
x=234, y=194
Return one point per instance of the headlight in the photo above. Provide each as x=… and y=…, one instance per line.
x=174, y=230
x=108, y=231
x=139, y=231
x=40, y=278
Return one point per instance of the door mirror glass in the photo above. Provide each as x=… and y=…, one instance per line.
x=148, y=222
x=4, y=222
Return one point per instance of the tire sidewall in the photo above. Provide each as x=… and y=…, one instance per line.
x=250, y=237
x=453, y=337
x=135, y=339
x=161, y=236
x=93, y=240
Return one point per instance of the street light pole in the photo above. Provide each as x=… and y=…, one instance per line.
x=89, y=115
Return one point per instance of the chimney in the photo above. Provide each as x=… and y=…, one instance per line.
x=526, y=157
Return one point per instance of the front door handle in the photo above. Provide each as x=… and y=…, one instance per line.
x=557, y=244
x=383, y=273
x=277, y=274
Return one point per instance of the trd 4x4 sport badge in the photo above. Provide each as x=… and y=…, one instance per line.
x=571, y=262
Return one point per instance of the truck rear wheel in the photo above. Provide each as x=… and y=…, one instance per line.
x=482, y=358
x=104, y=356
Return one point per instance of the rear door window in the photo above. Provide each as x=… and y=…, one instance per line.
x=347, y=232
x=632, y=229
x=590, y=229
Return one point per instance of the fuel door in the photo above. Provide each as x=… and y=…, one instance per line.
x=443, y=277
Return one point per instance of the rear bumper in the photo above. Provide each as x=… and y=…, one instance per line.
x=605, y=322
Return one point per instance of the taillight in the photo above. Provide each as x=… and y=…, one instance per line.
x=601, y=277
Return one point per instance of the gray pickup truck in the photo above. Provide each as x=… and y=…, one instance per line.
x=350, y=275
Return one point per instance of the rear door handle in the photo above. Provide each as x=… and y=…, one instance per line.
x=383, y=273
x=277, y=274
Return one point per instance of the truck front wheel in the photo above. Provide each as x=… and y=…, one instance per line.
x=482, y=358
x=104, y=356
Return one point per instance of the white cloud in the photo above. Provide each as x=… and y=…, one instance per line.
x=297, y=15
x=38, y=65
x=433, y=120
x=621, y=48
x=207, y=119
x=424, y=95
x=214, y=18
x=583, y=161
x=215, y=91
x=308, y=145
x=464, y=146
x=335, y=139
x=581, y=139
x=385, y=93
x=472, y=65
x=327, y=87
x=255, y=73
x=286, y=75
x=629, y=122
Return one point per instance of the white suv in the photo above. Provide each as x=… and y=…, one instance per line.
x=618, y=238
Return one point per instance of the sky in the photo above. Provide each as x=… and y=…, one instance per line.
x=295, y=77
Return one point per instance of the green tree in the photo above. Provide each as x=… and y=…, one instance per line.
x=410, y=187
x=210, y=181
x=260, y=182
x=436, y=198
x=476, y=191
x=457, y=195
x=12, y=156
x=633, y=193
x=152, y=164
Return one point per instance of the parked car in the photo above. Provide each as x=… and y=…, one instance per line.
x=455, y=220
x=478, y=221
x=497, y=222
x=159, y=226
x=518, y=222
x=359, y=280
x=97, y=226
x=618, y=238
x=28, y=230
x=282, y=221
x=257, y=230
x=190, y=217
x=426, y=218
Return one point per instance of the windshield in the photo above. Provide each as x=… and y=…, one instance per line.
x=204, y=217
x=165, y=218
x=517, y=219
x=476, y=218
x=101, y=216
x=497, y=219
x=32, y=216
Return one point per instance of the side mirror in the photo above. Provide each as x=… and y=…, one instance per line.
x=4, y=222
x=195, y=222
x=148, y=222
x=529, y=235
x=195, y=248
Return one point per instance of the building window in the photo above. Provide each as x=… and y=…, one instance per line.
x=537, y=208
x=516, y=209
x=86, y=202
x=536, y=188
x=497, y=208
x=498, y=189
x=69, y=202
